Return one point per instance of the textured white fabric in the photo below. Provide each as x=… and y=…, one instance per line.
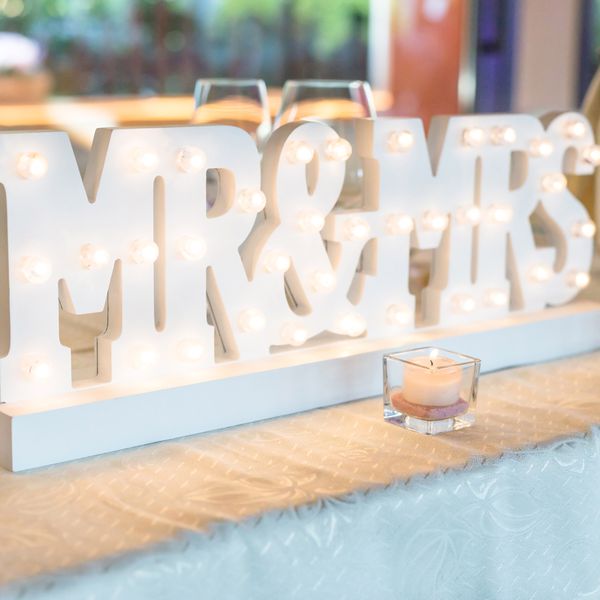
x=333, y=503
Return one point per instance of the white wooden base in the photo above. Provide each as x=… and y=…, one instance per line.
x=31, y=436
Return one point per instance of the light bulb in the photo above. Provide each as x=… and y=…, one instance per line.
x=575, y=129
x=469, y=214
x=495, y=298
x=36, y=368
x=143, y=357
x=191, y=248
x=143, y=251
x=553, y=183
x=584, y=229
x=579, y=279
x=399, y=224
x=35, y=269
x=276, y=261
x=351, y=324
x=143, y=160
x=190, y=159
x=294, y=334
x=541, y=148
x=473, y=136
x=323, y=281
x=93, y=257
x=400, y=141
x=356, y=228
x=435, y=220
x=298, y=152
x=540, y=273
x=500, y=213
x=311, y=220
x=503, y=135
x=591, y=155
x=252, y=320
x=32, y=165
x=398, y=314
x=251, y=201
x=338, y=149
x=190, y=350
x=463, y=303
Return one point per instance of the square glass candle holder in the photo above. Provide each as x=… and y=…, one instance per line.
x=430, y=390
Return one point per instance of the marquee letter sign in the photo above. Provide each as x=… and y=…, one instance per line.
x=132, y=284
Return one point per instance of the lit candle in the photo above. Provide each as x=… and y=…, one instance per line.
x=431, y=389
x=432, y=381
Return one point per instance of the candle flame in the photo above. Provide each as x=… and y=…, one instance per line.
x=432, y=356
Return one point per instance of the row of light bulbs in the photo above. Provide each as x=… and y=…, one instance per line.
x=402, y=141
x=37, y=269
x=465, y=303
x=191, y=159
x=253, y=320
x=190, y=350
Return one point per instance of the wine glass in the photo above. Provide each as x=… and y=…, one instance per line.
x=239, y=102
x=336, y=103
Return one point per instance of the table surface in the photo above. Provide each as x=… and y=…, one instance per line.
x=66, y=516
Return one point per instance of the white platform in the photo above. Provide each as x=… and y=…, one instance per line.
x=33, y=436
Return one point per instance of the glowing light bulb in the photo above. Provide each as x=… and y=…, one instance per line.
x=311, y=220
x=93, y=257
x=351, y=324
x=541, y=148
x=473, y=136
x=591, y=155
x=553, y=183
x=435, y=220
x=500, y=213
x=338, y=149
x=463, y=303
x=323, y=281
x=190, y=350
x=294, y=334
x=356, y=228
x=252, y=320
x=251, y=201
x=36, y=368
x=469, y=215
x=143, y=251
x=399, y=224
x=143, y=357
x=398, y=314
x=540, y=273
x=298, y=152
x=400, y=141
x=575, y=129
x=143, y=160
x=190, y=159
x=191, y=248
x=503, y=135
x=35, y=269
x=276, y=261
x=579, y=279
x=584, y=229
x=32, y=165
x=495, y=298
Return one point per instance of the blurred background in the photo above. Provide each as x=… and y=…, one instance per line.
x=421, y=57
